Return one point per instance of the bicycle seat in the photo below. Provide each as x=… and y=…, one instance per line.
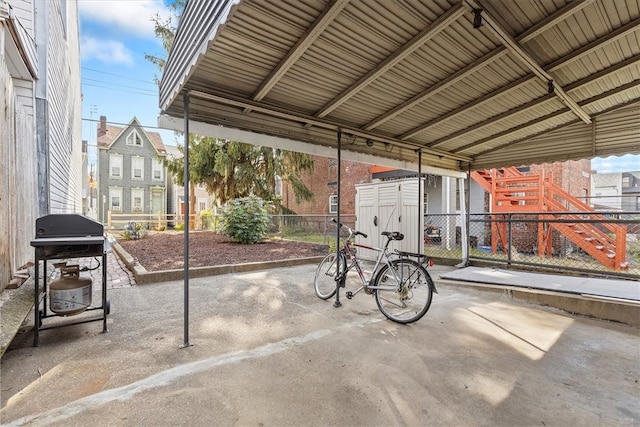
x=393, y=235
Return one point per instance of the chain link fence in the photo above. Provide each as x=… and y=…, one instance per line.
x=606, y=243
x=309, y=228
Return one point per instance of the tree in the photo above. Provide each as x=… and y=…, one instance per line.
x=165, y=30
x=231, y=169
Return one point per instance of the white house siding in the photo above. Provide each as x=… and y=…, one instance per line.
x=58, y=107
x=18, y=156
x=40, y=123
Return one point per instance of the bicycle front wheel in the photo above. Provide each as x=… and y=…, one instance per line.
x=405, y=290
x=326, y=274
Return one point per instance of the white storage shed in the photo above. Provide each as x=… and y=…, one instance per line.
x=390, y=206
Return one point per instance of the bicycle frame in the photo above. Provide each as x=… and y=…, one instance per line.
x=383, y=253
x=399, y=283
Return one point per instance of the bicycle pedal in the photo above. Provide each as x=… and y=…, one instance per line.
x=349, y=295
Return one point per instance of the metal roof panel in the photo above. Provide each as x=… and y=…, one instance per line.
x=412, y=74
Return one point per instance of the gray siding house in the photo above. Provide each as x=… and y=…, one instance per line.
x=131, y=176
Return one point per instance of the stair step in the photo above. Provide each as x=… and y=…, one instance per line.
x=611, y=255
x=624, y=265
x=589, y=239
x=599, y=247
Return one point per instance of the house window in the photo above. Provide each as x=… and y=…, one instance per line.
x=115, y=199
x=333, y=204
x=157, y=169
x=115, y=166
x=137, y=196
x=134, y=139
x=137, y=168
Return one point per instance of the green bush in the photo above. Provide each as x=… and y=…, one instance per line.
x=179, y=226
x=245, y=220
x=634, y=250
x=206, y=217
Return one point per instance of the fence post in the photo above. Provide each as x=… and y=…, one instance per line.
x=281, y=226
x=509, y=229
x=324, y=232
x=109, y=218
x=621, y=246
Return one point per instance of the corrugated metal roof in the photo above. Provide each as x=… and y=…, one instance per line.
x=522, y=85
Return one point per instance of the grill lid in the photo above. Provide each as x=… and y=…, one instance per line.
x=67, y=225
x=68, y=236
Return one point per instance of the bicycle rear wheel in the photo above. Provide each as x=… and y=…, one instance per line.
x=407, y=292
x=326, y=274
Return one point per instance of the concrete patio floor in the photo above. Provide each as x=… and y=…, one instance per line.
x=266, y=351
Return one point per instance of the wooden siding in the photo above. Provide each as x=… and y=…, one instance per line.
x=40, y=130
x=18, y=181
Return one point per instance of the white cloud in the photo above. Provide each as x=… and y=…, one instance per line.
x=110, y=51
x=625, y=163
x=130, y=16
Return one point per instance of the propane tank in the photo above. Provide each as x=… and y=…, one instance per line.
x=70, y=294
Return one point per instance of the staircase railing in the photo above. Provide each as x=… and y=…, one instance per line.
x=512, y=192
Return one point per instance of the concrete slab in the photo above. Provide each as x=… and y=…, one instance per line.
x=581, y=285
x=265, y=351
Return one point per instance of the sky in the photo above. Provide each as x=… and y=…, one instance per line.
x=118, y=82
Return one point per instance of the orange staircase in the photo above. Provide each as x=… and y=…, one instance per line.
x=513, y=192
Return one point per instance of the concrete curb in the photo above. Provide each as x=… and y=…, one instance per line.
x=15, y=310
x=145, y=277
x=610, y=309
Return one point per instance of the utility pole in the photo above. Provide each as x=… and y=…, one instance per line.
x=94, y=150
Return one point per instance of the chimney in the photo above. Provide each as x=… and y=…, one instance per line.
x=102, y=129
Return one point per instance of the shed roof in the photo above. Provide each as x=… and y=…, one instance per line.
x=468, y=84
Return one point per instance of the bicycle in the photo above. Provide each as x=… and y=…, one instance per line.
x=402, y=286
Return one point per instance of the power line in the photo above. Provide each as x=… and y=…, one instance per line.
x=151, y=91
x=120, y=90
x=126, y=124
x=119, y=75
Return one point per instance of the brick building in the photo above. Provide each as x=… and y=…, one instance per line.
x=574, y=177
x=323, y=182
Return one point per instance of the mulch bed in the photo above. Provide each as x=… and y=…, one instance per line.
x=165, y=250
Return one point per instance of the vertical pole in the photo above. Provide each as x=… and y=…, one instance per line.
x=464, y=223
x=186, y=221
x=337, y=302
x=509, y=224
x=420, y=206
x=467, y=198
x=36, y=302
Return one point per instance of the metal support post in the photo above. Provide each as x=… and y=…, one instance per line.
x=186, y=221
x=337, y=302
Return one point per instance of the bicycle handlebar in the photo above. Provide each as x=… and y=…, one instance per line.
x=351, y=230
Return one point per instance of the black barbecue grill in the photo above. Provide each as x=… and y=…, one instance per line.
x=60, y=237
